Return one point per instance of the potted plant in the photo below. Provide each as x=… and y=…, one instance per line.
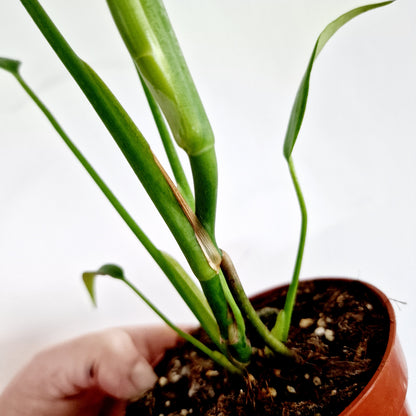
x=238, y=333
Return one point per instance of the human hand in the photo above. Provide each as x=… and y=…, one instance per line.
x=94, y=375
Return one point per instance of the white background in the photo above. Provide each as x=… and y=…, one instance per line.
x=355, y=158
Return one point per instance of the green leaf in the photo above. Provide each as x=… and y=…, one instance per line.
x=10, y=65
x=111, y=270
x=299, y=106
x=148, y=35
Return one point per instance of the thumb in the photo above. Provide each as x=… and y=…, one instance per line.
x=116, y=366
x=66, y=378
x=142, y=378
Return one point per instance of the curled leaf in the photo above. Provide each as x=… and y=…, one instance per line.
x=150, y=39
x=299, y=106
x=10, y=65
x=111, y=270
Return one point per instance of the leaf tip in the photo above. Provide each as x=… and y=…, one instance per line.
x=89, y=279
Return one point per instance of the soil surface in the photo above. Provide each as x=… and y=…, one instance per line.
x=341, y=333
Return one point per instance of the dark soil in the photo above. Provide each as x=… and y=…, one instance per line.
x=340, y=331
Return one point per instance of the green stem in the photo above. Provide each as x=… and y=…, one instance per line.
x=244, y=303
x=291, y=294
x=149, y=37
x=169, y=147
x=295, y=122
x=214, y=355
x=237, y=338
x=130, y=141
x=192, y=129
x=229, y=318
x=177, y=276
x=205, y=174
x=214, y=293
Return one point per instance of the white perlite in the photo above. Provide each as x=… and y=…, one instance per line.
x=321, y=322
x=174, y=377
x=272, y=392
x=317, y=381
x=163, y=381
x=291, y=389
x=329, y=334
x=319, y=331
x=305, y=322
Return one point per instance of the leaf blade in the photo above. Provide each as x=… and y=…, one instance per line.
x=299, y=105
x=89, y=278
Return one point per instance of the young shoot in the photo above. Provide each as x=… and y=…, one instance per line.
x=295, y=122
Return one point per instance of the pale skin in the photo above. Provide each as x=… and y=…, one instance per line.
x=93, y=375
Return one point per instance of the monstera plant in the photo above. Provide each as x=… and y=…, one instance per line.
x=234, y=328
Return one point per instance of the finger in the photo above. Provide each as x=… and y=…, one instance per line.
x=107, y=360
x=117, y=366
x=73, y=378
x=153, y=341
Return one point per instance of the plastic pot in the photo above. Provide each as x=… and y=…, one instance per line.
x=385, y=393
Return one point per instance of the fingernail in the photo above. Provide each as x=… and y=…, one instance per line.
x=143, y=378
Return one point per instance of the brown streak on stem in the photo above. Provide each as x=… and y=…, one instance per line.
x=211, y=253
x=228, y=268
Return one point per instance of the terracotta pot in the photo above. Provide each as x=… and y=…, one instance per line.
x=385, y=394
